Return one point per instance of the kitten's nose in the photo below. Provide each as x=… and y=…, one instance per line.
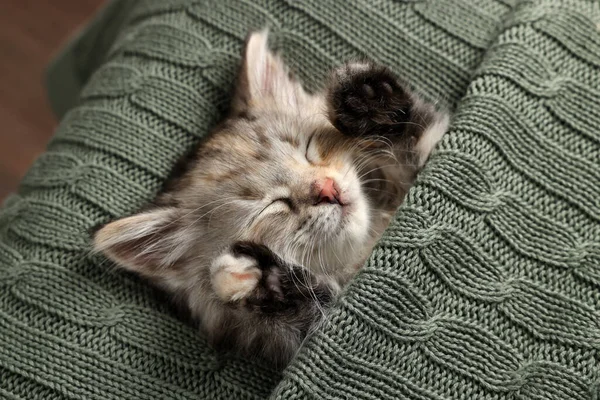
x=328, y=192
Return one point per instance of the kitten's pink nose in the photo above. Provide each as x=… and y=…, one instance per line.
x=328, y=192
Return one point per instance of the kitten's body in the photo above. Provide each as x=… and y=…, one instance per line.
x=283, y=203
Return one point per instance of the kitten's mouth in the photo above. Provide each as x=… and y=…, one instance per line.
x=344, y=212
x=346, y=209
x=334, y=197
x=334, y=202
x=343, y=204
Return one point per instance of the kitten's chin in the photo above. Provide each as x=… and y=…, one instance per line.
x=349, y=224
x=354, y=239
x=343, y=248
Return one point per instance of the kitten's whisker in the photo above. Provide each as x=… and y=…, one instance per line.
x=375, y=169
x=375, y=180
x=311, y=289
x=211, y=212
x=305, y=270
x=198, y=209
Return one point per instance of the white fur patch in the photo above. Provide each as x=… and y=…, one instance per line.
x=234, y=278
x=355, y=67
x=431, y=137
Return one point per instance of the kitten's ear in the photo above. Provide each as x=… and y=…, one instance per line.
x=150, y=243
x=264, y=79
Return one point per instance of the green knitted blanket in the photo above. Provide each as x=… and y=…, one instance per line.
x=486, y=285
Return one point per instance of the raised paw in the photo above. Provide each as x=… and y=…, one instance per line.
x=366, y=99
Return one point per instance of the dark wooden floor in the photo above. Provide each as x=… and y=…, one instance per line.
x=31, y=31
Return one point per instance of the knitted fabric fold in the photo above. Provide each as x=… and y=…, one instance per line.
x=485, y=285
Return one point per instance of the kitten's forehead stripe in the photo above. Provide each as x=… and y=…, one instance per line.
x=261, y=156
x=281, y=178
x=263, y=139
x=247, y=115
x=250, y=193
x=291, y=139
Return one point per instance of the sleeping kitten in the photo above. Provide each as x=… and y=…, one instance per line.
x=282, y=204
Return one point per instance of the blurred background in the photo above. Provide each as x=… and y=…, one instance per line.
x=31, y=32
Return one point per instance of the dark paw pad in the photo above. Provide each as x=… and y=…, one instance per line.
x=367, y=99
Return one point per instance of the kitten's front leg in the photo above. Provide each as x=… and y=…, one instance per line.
x=366, y=99
x=273, y=304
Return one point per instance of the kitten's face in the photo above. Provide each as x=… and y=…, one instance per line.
x=286, y=179
x=280, y=208
x=276, y=172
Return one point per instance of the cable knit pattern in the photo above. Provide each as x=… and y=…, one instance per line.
x=486, y=284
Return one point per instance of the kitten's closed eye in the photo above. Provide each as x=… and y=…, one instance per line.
x=311, y=154
x=286, y=201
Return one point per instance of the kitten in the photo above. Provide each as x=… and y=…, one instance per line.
x=282, y=203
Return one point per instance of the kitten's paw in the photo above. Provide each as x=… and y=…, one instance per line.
x=234, y=277
x=269, y=312
x=284, y=289
x=366, y=99
x=252, y=275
